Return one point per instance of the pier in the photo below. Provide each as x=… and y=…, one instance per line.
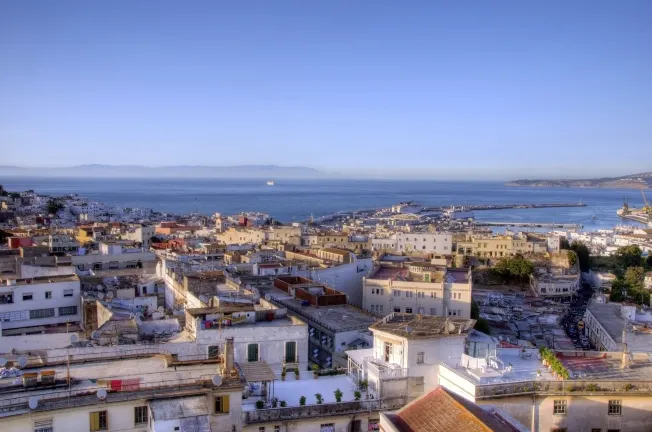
x=530, y=224
x=507, y=206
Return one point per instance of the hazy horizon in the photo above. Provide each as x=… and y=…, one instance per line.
x=482, y=90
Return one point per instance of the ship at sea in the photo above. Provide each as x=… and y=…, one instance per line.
x=270, y=182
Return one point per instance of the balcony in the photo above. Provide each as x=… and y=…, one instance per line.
x=382, y=370
x=321, y=410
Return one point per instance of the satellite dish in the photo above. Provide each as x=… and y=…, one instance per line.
x=109, y=295
x=32, y=402
x=22, y=362
x=101, y=394
x=100, y=296
x=73, y=338
x=99, y=287
x=217, y=380
x=3, y=362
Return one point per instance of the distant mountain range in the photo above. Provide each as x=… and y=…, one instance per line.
x=638, y=181
x=191, y=171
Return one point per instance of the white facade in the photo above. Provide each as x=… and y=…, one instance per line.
x=37, y=302
x=424, y=243
x=346, y=278
x=378, y=244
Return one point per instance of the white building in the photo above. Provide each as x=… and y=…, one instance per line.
x=143, y=235
x=424, y=243
x=647, y=282
x=39, y=301
x=418, y=288
x=379, y=244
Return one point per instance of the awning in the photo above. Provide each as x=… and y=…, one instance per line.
x=257, y=371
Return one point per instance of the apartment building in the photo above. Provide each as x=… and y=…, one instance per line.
x=142, y=234
x=418, y=288
x=114, y=256
x=340, y=256
x=61, y=243
x=555, y=286
x=424, y=243
x=500, y=246
x=41, y=301
x=610, y=326
x=241, y=236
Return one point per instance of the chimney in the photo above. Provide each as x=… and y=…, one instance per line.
x=229, y=357
x=625, y=361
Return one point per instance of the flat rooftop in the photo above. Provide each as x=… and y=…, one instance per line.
x=336, y=318
x=608, y=366
x=610, y=318
x=422, y=326
x=39, y=280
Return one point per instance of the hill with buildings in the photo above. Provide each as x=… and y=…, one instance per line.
x=637, y=181
x=95, y=170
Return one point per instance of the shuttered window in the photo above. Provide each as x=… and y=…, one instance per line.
x=43, y=425
x=99, y=421
x=222, y=404
x=252, y=352
x=290, y=352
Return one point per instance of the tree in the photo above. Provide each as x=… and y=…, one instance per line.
x=3, y=192
x=14, y=195
x=54, y=206
x=515, y=267
x=475, y=310
x=482, y=325
x=648, y=261
x=572, y=258
x=634, y=278
x=564, y=244
x=628, y=256
x=582, y=255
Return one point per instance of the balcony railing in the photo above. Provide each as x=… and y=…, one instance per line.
x=567, y=386
x=329, y=409
x=383, y=371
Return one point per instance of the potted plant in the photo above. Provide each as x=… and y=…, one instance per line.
x=296, y=373
x=319, y=398
x=283, y=373
x=538, y=373
x=302, y=400
x=315, y=371
x=338, y=395
x=363, y=384
x=357, y=395
x=274, y=402
x=260, y=404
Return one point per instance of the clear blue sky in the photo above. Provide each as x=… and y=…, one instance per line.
x=457, y=89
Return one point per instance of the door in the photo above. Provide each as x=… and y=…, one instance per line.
x=290, y=352
x=388, y=351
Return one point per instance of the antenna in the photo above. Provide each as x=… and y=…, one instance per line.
x=32, y=402
x=217, y=380
x=101, y=394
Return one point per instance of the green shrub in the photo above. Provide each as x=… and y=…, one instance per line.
x=302, y=400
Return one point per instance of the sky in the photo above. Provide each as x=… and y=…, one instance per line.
x=458, y=89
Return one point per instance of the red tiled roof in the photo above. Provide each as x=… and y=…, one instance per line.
x=443, y=411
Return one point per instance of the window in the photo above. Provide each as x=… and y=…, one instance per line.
x=261, y=428
x=408, y=293
x=48, y=294
x=252, y=352
x=381, y=308
x=433, y=294
x=99, y=421
x=397, y=309
x=222, y=404
x=290, y=352
x=27, y=297
x=459, y=312
x=397, y=293
x=421, y=294
x=44, y=425
x=68, y=292
x=140, y=415
x=420, y=357
x=408, y=310
x=213, y=351
x=277, y=428
x=615, y=407
x=41, y=313
x=68, y=310
x=559, y=407
x=327, y=427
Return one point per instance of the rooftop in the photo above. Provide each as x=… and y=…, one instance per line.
x=608, y=366
x=443, y=411
x=610, y=317
x=39, y=280
x=422, y=326
x=336, y=318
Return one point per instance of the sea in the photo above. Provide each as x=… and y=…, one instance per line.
x=298, y=200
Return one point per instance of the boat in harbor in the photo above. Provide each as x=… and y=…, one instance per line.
x=270, y=182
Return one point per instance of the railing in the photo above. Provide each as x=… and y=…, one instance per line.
x=329, y=409
x=566, y=386
x=385, y=372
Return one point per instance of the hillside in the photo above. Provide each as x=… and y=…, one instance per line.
x=634, y=181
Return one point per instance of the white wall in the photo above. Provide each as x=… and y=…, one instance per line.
x=424, y=243
x=30, y=271
x=34, y=342
x=345, y=278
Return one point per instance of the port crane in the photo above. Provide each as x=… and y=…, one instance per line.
x=647, y=209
